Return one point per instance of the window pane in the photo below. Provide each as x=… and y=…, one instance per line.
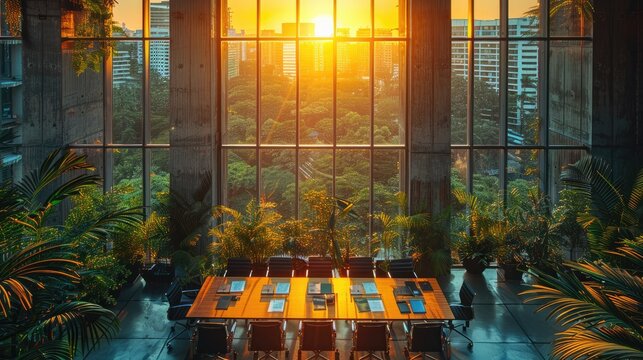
x=390, y=95
x=523, y=102
x=240, y=176
x=316, y=18
x=160, y=18
x=523, y=174
x=278, y=92
x=315, y=174
x=459, y=170
x=558, y=161
x=352, y=184
x=240, y=19
x=459, y=17
x=240, y=89
x=160, y=92
x=459, y=90
x=354, y=18
x=486, y=175
x=353, y=93
x=127, y=177
x=160, y=179
x=82, y=97
x=316, y=92
x=278, y=18
x=524, y=18
x=487, y=18
x=127, y=103
x=486, y=102
x=570, y=92
x=127, y=18
x=388, y=167
x=571, y=18
x=278, y=180
x=390, y=18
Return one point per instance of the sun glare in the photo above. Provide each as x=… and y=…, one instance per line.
x=323, y=26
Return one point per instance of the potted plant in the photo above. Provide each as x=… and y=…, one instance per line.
x=476, y=247
x=252, y=234
x=298, y=242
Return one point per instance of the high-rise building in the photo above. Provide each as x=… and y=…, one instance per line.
x=11, y=107
x=522, y=61
x=160, y=27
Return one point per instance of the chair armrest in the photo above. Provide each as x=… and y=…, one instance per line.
x=191, y=291
x=405, y=326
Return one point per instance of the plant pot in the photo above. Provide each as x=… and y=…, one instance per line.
x=474, y=266
x=509, y=272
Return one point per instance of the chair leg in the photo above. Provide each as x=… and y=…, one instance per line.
x=453, y=328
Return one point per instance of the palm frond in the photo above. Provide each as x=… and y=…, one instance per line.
x=51, y=350
x=636, y=196
x=24, y=270
x=600, y=342
x=82, y=324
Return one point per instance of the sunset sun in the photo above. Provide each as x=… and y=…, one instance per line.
x=323, y=25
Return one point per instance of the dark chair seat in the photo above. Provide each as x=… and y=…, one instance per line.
x=317, y=336
x=213, y=340
x=426, y=337
x=267, y=337
x=371, y=337
x=463, y=311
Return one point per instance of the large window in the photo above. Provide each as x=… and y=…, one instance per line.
x=116, y=96
x=521, y=94
x=314, y=102
x=11, y=97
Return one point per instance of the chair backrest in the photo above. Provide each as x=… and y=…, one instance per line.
x=426, y=337
x=212, y=339
x=173, y=293
x=361, y=267
x=320, y=267
x=466, y=295
x=317, y=335
x=371, y=336
x=239, y=267
x=279, y=266
x=178, y=312
x=401, y=268
x=265, y=336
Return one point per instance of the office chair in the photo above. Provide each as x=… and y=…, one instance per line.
x=463, y=312
x=401, y=268
x=317, y=336
x=319, y=267
x=279, y=266
x=213, y=340
x=426, y=337
x=267, y=337
x=361, y=267
x=371, y=337
x=238, y=267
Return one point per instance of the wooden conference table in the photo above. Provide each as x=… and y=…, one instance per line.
x=252, y=304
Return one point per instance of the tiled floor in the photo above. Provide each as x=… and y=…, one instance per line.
x=504, y=327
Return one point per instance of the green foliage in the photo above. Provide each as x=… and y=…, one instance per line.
x=569, y=207
x=101, y=277
x=602, y=313
x=615, y=213
x=41, y=316
x=252, y=234
x=479, y=243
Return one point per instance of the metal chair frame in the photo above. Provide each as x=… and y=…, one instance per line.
x=465, y=302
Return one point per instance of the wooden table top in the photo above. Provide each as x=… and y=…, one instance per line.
x=252, y=304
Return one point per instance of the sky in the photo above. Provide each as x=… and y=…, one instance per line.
x=350, y=13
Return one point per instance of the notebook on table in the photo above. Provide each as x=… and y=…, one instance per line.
x=357, y=289
x=362, y=305
x=319, y=303
x=238, y=286
x=370, y=288
x=282, y=288
x=404, y=307
x=326, y=288
x=277, y=305
x=224, y=289
x=402, y=291
x=417, y=306
x=314, y=288
x=267, y=289
x=413, y=288
x=425, y=286
x=376, y=305
x=223, y=303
